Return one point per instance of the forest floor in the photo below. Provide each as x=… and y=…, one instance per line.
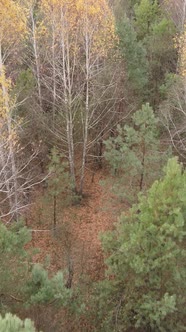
x=76, y=244
x=77, y=236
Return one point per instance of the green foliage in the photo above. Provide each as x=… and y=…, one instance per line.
x=23, y=91
x=161, y=44
x=25, y=82
x=59, y=185
x=145, y=283
x=13, y=258
x=171, y=80
x=146, y=42
x=14, y=238
x=134, y=155
x=157, y=33
x=134, y=55
x=42, y=289
x=59, y=180
x=151, y=21
x=146, y=14
x=27, y=283
x=11, y=323
x=45, y=290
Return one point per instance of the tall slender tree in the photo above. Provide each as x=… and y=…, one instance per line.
x=12, y=31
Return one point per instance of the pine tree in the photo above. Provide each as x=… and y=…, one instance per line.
x=12, y=323
x=60, y=186
x=14, y=261
x=135, y=57
x=134, y=155
x=145, y=284
x=24, y=283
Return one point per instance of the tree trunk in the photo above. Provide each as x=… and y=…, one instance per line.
x=86, y=121
x=68, y=104
x=11, y=179
x=143, y=167
x=36, y=55
x=55, y=212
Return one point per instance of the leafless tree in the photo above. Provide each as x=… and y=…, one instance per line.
x=177, y=11
x=173, y=111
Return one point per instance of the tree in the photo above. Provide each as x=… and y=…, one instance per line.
x=78, y=37
x=144, y=285
x=35, y=34
x=156, y=31
x=146, y=13
x=24, y=284
x=17, y=168
x=58, y=184
x=134, y=155
x=97, y=36
x=135, y=57
x=43, y=289
x=177, y=12
x=12, y=33
x=151, y=53
x=173, y=103
x=12, y=323
x=14, y=261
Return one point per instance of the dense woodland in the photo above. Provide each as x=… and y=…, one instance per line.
x=92, y=165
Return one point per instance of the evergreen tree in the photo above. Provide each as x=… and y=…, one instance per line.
x=146, y=42
x=145, y=284
x=11, y=323
x=42, y=289
x=14, y=262
x=134, y=155
x=147, y=13
x=156, y=32
x=59, y=184
x=135, y=57
x=23, y=283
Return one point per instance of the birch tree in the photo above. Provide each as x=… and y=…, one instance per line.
x=16, y=166
x=61, y=22
x=77, y=36
x=34, y=35
x=97, y=37
x=173, y=108
x=35, y=47
x=12, y=31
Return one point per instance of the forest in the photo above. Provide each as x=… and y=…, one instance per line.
x=92, y=165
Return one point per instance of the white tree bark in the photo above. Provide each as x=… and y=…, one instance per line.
x=12, y=186
x=36, y=56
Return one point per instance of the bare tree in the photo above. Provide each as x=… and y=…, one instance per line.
x=16, y=166
x=177, y=11
x=35, y=49
x=173, y=111
x=60, y=80
x=97, y=38
x=75, y=61
x=70, y=45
